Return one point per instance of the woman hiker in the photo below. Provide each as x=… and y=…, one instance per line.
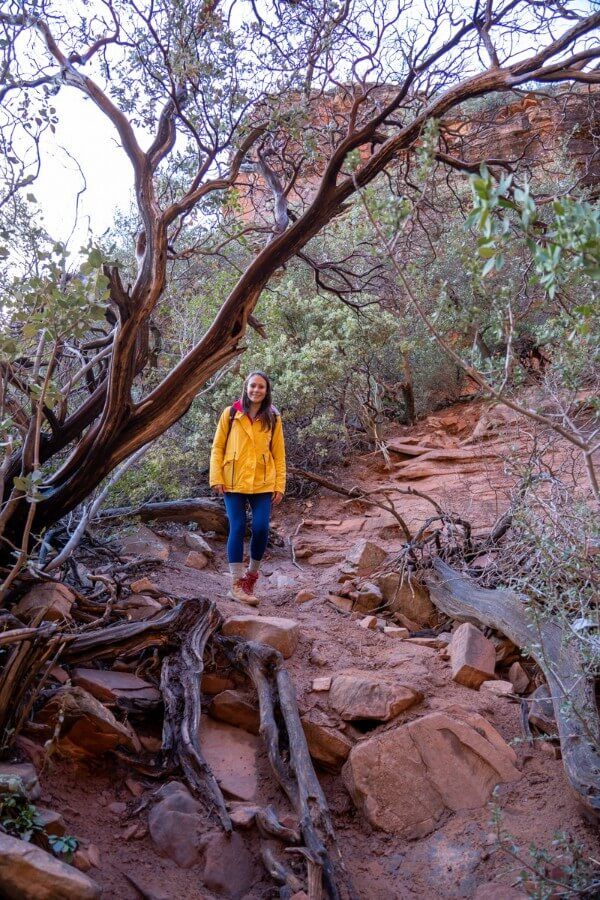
x=247, y=465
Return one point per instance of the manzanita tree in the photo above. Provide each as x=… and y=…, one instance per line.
x=292, y=107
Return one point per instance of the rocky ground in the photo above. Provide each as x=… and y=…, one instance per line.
x=417, y=740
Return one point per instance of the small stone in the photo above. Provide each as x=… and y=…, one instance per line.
x=81, y=860
x=196, y=560
x=51, y=821
x=59, y=674
x=367, y=598
x=502, y=688
x=243, y=815
x=519, y=678
x=195, y=541
x=396, y=632
x=473, y=657
x=145, y=586
x=175, y=825
x=344, y=604
x=365, y=557
x=117, y=808
x=550, y=749
x=321, y=684
x=305, y=595
x=93, y=853
x=277, y=632
x=135, y=832
x=369, y=623
x=134, y=787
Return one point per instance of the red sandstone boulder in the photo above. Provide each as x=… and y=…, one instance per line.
x=52, y=600
x=29, y=873
x=277, y=632
x=233, y=708
x=405, y=779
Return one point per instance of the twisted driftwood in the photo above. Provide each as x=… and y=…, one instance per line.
x=571, y=688
x=208, y=514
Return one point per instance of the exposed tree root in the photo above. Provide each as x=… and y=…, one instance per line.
x=290, y=760
x=208, y=514
x=571, y=687
x=185, y=633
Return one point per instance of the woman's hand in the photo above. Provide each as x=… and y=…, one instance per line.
x=219, y=488
x=277, y=497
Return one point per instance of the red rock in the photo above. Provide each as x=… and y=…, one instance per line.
x=52, y=599
x=502, y=688
x=367, y=598
x=473, y=657
x=410, y=598
x=88, y=727
x=176, y=824
x=139, y=607
x=305, y=596
x=364, y=558
x=144, y=543
x=145, y=586
x=369, y=623
x=196, y=542
x=404, y=779
x=243, y=815
x=396, y=632
x=29, y=873
x=196, y=560
x=232, y=755
x=364, y=695
x=213, y=684
x=233, y=708
x=321, y=684
x=51, y=821
x=280, y=633
x=344, y=604
x=518, y=677
x=110, y=686
x=229, y=867
x=327, y=745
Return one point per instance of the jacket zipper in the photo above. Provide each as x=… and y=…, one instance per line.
x=233, y=472
x=265, y=465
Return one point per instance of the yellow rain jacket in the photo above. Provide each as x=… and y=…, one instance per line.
x=252, y=460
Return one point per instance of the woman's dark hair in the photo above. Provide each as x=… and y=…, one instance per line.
x=265, y=414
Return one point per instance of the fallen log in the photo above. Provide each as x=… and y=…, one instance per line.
x=571, y=687
x=208, y=514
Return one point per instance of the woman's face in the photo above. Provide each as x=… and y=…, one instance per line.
x=256, y=389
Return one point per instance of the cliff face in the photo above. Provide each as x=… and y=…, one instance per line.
x=540, y=132
x=552, y=133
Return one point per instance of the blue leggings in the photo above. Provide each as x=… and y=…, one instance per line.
x=235, y=504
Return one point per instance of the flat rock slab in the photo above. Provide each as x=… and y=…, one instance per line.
x=196, y=559
x=404, y=780
x=109, y=686
x=364, y=695
x=29, y=873
x=232, y=755
x=52, y=600
x=282, y=634
x=472, y=656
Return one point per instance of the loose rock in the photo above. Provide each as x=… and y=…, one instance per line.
x=519, y=678
x=232, y=755
x=175, y=826
x=53, y=600
x=144, y=543
x=502, y=688
x=305, y=596
x=88, y=727
x=282, y=634
x=196, y=542
x=326, y=744
x=369, y=623
x=229, y=867
x=321, y=684
x=26, y=773
x=473, y=657
x=363, y=695
x=29, y=873
x=196, y=560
